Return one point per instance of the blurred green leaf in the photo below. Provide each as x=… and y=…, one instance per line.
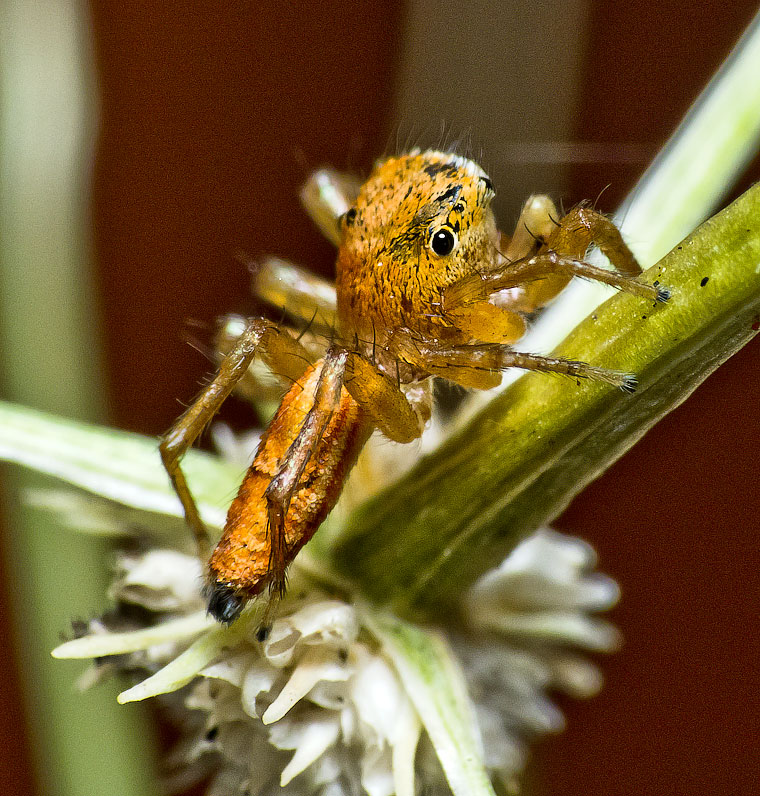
x=113, y=464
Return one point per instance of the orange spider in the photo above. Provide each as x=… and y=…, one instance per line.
x=426, y=286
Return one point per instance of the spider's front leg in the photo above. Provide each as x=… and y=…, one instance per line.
x=556, y=257
x=284, y=355
x=479, y=365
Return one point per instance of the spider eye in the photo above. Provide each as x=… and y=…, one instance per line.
x=350, y=216
x=443, y=242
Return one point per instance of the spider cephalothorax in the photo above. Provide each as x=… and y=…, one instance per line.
x=419, y=223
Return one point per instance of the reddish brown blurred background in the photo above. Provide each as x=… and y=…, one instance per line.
x=210, y=119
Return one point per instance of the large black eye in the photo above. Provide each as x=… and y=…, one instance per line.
x=350, y=216
x=443, y=242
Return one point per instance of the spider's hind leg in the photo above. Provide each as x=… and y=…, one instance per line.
x=282, y=488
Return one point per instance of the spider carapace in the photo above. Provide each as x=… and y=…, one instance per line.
x=426, y=286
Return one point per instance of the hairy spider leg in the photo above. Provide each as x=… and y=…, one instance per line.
x=538, y=262
x=538, y=219
x=501, y=319
x=296, y=292
x=558, y=259
x=479, y=365
x=327, y=195
x=284, y=354
x=293, y=483
x=261, y=385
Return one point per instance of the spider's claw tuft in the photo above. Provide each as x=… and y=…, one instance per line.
x=224, y=603
x=629, y=383
x=663, y=294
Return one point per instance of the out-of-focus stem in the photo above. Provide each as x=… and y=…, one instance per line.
x=82, y=744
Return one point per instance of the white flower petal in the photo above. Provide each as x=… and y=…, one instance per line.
x=497, y=664
x=328, y=768
x=504, y=750
x=329, y=695
x=161, y=580
x=546, y=571
x=317, y=663
x=531, y=590
x=259, y=678
x=330, y=621
x=232, y=669
x=377, y=694
x=348, y=724
x=377, y=772
x=310, y=737
x=404, y=747
x=558, y=627
x=220, y=700
x=325, y=622
x=534, y=713
x=182, y=669
x=159, y=654
x=334, y=788
x=101, y=644
x=280, y=644
x=556, y=551
x=95, y=674
x=577, y=677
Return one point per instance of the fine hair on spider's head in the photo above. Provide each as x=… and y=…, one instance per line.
x=445, y=139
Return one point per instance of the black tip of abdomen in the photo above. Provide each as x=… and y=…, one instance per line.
x=224, y=603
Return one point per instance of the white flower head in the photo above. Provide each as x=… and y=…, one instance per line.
x=339, y=697
x=329, y=700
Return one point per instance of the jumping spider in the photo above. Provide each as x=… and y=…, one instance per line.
x=426, y=286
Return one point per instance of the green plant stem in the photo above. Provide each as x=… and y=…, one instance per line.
x=517, y=464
